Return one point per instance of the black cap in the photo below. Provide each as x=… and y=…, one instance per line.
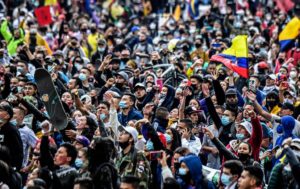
x=8, y=108
x=288, y=106
x=231, y=92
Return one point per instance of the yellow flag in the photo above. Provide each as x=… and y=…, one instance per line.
x=177, y=13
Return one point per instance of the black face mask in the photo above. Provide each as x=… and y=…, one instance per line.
x=119, y=85
x=243, y=157
x=256, y=50
x=124, y=145
x=271, y=104
x=194, y=87
x=93, y=30
x=176, y=166
x=280, y=60
x=124, y=60
x=198, y=45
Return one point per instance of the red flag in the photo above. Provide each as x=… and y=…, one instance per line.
x=285, y=5
x=43, y=15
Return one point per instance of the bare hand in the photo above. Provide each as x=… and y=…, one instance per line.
x=208, y=132
x=251, y=96
x=163, y=160
x=71, y=134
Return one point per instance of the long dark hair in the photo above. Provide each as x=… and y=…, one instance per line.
x=176, y=139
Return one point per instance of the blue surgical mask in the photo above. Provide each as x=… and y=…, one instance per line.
x=225, y=179
x=225, y=120
x=82, y=76
x=149, y=145
x=122, y=104
x=78, y=163
x=240, y=136
x=78, y=66
x=13, y=122
x=168, y=138
x=182, y=171
x=20, y=69
x=102, y=116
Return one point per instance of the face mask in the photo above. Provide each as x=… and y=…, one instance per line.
x=78, y=163
x=280, y=60
x=122, y=104
x=243, y=157
x=192, y=29
x=78, y=66
x=182, y=171
x=225, y=120
x=293, y=74
x=20, y=69
x=198, y=45
x=124, y=145
x=102, y=116
x=152, y=26
x=225, y=179
x=2, y=121
x=1, y=82
x=101, y=49
x=33, y=30
x=290, y=101
x=93, y=30
x=162, y=96
x=124, y=60
x=168, y=138
x=82, y=76
x=240, y=136
x=149, y=145
x=119, y=85
x=13, y=122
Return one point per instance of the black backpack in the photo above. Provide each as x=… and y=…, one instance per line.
x=100, y=173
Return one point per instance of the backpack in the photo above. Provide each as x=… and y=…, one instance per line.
x=115, y=178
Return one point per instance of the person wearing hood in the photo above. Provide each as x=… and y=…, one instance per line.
x=13, y=40
x=143, y=97
x=161, y=120
x=166, y=97
x=286, y=128
x=190, y=174
x=121, y=81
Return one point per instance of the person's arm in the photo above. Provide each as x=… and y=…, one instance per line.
x=276, y=180
x=46, y=159
x=181, y=107
x=5, y=32
x=79, y=104
x=219, y=92
x=33, y=110
x=294, y=163
x=256, y=137
x=6, y=90
x=228, y=155
x=213, y=113
x=252, y=97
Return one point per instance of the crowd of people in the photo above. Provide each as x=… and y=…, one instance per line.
x=147, y=108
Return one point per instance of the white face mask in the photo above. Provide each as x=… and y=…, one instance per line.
x=293, y=74
x=290, y=101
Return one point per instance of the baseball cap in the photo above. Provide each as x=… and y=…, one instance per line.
x=102, y=41
x=132, y=131
x=83, y=140
x=248, y=126
x=139, y=85
x=135, y=28
x=287, y=105
x=295, y=143
x=271, y=76
x=263, y=65
x=58, y=53
x=8, y=108
x=123, y=74
x=231, y=92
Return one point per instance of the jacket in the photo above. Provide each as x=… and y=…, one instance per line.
x=12, y=43
x=133, y=114
x=10, y=137
x=134, y=163
x=193, y=144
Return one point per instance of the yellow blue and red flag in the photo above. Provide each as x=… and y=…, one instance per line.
x=289, y=34
x=193, y=7
x=235, y=57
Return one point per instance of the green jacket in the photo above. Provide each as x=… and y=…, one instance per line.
x=12, y=43
x=135, y=163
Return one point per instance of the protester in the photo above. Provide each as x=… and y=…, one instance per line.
x=156, y=94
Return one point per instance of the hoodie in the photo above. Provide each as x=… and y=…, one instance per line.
x=287, y=125
x=168, y=101
x=195, y=167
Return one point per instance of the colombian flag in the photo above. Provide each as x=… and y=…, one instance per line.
x=193, y=8
x=235, y=57
x=289, y=33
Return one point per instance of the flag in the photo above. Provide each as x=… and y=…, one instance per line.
x=43, y=15
x=285, y=5
x=235, y=57
x=289, y=34
x=193, y=8
x=177, y=13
